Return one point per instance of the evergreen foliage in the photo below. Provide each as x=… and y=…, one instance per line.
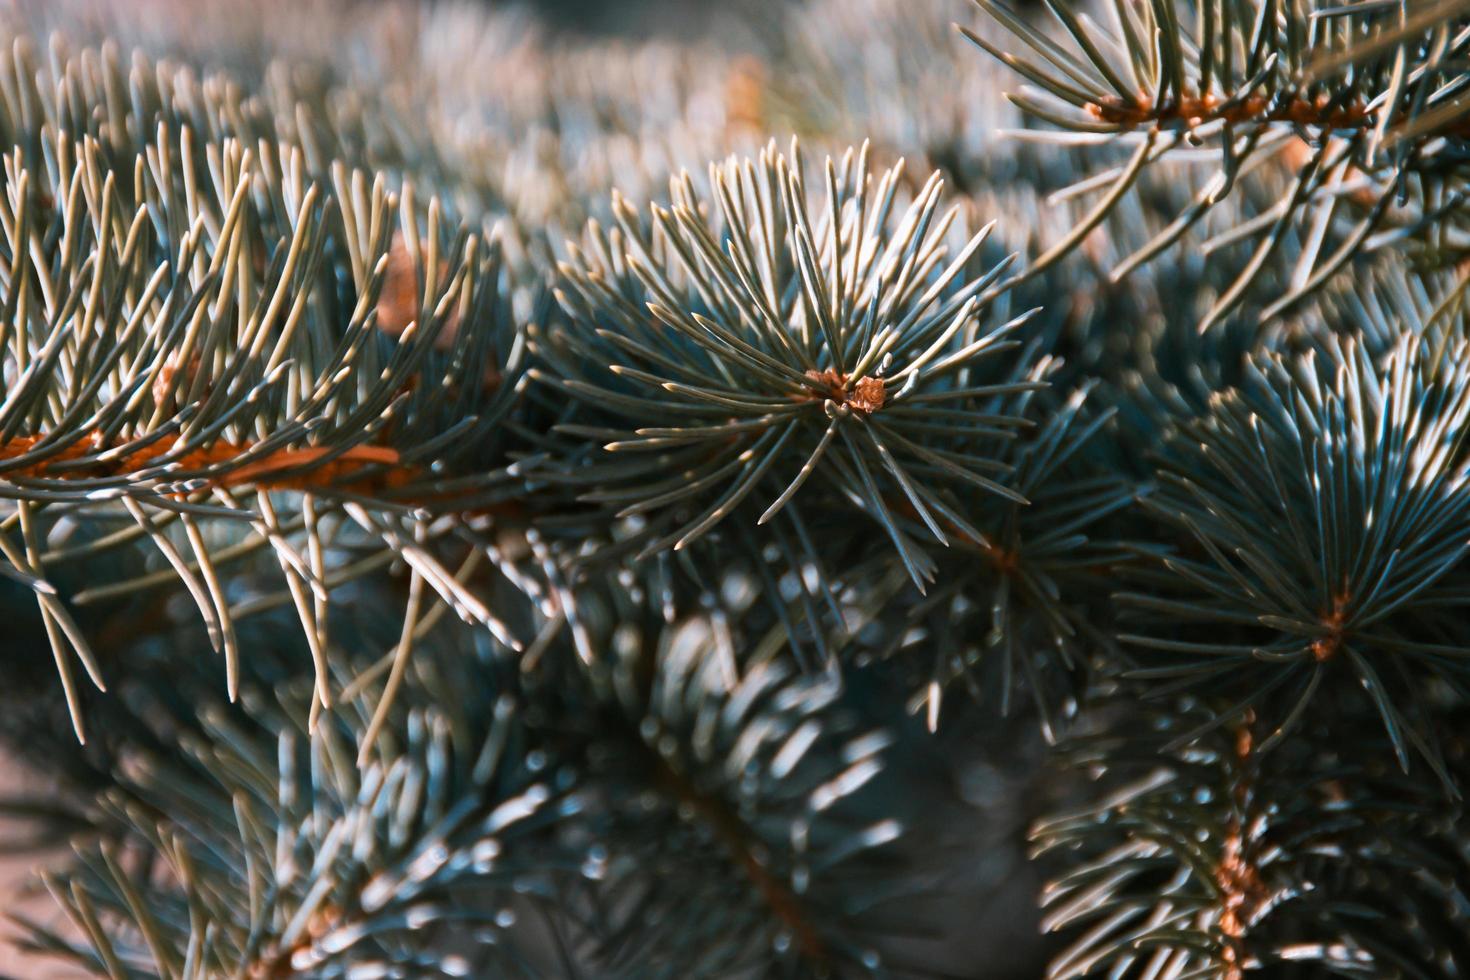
x=483, y=509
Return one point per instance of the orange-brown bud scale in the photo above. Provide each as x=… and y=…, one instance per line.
x=866, y=395
x=1196, y=110
x=281, y=469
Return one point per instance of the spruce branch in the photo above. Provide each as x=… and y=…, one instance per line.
x=225, y=326
x=261, y=850
x=1011, y=610
x=785, y=342
x=1218, y=860
x=741, y=799
x=1323, y=522
x=1365, y=102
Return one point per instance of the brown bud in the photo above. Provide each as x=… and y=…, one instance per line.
x=867, y=395
x=398, y=302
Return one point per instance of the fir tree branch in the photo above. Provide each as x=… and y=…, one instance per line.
x=1371, y=89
